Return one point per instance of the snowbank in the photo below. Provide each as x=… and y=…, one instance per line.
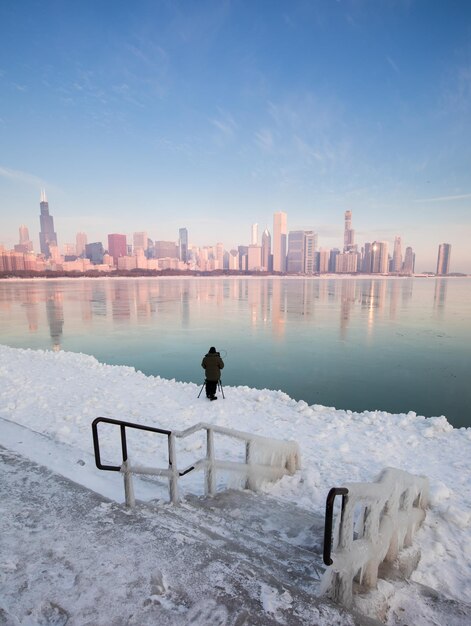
x=59, y=394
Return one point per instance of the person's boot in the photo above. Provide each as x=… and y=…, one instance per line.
x=213, y=398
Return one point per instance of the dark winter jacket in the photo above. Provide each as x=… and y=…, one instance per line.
x=213, y=365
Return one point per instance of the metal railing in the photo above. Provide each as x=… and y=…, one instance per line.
x=329, y=515
x=265, y=459
x=375, y=521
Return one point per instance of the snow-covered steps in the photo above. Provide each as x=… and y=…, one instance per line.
x=70, y=556
x=279, y=537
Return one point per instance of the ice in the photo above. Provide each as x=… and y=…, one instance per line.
x=49, y=399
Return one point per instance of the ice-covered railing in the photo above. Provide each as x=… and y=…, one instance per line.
x=375, y=521
x=265, y=459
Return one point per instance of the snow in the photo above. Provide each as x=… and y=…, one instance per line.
x=49, y=399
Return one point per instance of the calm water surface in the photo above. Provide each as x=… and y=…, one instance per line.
x=393, y=344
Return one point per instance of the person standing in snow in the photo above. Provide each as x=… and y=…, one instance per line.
x=212, y=364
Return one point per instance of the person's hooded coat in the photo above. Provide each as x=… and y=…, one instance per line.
x=213, y=365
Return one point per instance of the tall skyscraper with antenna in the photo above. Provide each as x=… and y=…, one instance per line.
x=47, y=236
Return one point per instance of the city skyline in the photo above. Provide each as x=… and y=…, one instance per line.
x=217, y=115
x=293, y=252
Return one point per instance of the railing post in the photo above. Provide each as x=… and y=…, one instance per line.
x=250, y=482
x=210, y=470
x=172, y=465
x=128, y=484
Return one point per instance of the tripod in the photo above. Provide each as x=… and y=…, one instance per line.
x=219, y=386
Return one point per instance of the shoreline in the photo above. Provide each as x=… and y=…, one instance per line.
x=234, y=277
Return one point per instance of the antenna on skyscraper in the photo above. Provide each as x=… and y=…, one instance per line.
x=43, y=195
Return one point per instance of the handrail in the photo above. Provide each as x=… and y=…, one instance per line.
x=283, y=457
x=123, y=425
x=376, y=521
x=329, y=514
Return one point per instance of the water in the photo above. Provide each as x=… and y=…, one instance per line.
x=392, y=344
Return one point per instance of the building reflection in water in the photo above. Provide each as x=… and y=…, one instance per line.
x=278, y=309
x=347, y=302
x=263, y=303
x=439, y=298
x=31, y=308
x=55, y=314
x=120, y=300
x=394, y=289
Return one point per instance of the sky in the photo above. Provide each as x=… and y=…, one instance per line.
x=212, y=115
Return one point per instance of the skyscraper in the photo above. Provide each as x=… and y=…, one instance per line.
x=310, y=246
x=349, y=233
x=254, y=258
x=47, y=236
x=397, y=255
x=379, y=257
x=266, y=250
x=443, y=260
x=295, y=260
x=409, y=261
x=280, y=231
x=25, y=242
x=183, y=244
x=117, y=247
x=254, y=241
x=80, y=243
x=139, y=242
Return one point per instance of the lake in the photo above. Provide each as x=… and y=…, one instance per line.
x=394, y=344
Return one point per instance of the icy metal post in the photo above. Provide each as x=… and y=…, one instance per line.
x=210, y=472
x=172, y=466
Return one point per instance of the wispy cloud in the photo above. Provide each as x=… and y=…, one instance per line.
x=393, y=64
x=22, y=177
x=463, y=196
x=264, y=139
x=456, y=96
x=226, y=124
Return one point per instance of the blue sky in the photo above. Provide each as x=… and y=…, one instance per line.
x=153, y=115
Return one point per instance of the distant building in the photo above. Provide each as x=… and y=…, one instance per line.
x=443, y=260
x=94, y=252
x=220, y=256
x=346, y=263
x=243, y=255
x=25, y=242
x=80, y=243
x=254, y=258
x=233, y=260
x=379, y=257
x=69, y=250
x=295, y=258
x=279, y=241
x=310, y=252
x=323, y=261
x=117, y=247
x=333, y=255
x=183, y=245
x=397, y=256
x=47, y=236
x=301, y=257
x=266, y=250
x=408, y=267
x=166, y=250
x=254, y=241
x=366, y=258
x=139, y=242
x=349, y=233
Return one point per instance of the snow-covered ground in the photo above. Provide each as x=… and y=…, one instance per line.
x=59, y=394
